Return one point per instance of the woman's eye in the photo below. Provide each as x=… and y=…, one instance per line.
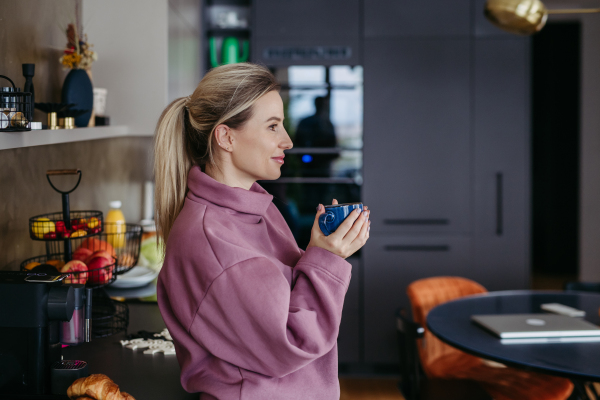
x=272, y=127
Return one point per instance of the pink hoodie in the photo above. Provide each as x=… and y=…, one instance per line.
x=252, y=315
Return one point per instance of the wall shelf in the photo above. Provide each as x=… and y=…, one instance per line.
x=14, y=140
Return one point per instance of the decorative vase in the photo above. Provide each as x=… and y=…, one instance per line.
x=77, y=89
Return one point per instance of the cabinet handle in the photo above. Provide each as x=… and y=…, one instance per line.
x=417, y=248
x=422, y=221
x=499, y=205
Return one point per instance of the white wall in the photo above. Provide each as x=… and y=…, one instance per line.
x=185, y=58
x=589, y=267
x=131, y=38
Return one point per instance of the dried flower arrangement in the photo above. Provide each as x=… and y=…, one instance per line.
x=78, y=54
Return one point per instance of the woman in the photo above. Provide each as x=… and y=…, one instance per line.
x=252, y=315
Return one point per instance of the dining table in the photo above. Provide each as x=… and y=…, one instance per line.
x=579, y=361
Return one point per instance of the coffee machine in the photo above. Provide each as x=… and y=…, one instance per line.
x=32, y=306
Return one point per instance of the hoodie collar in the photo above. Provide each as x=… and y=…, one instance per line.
x=254, y=201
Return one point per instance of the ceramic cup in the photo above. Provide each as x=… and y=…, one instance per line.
x=336, y=214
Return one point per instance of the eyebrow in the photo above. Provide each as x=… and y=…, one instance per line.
x=274, y=118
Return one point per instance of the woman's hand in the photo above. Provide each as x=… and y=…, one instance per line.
x=348, y=238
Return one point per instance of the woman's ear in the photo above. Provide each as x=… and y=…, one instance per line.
x=224, y=137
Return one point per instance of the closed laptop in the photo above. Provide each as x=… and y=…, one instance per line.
x=532, y=327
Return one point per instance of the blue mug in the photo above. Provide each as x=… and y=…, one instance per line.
x=334, y=216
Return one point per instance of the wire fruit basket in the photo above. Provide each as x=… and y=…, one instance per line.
x=122, y=241
x=53, y=227
x=98, y=272
x=108, y=316
x=15, y=109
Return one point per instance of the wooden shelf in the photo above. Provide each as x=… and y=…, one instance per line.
x=14, y=140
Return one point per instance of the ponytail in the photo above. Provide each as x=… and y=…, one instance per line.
x=184, y=133
x=171, y=167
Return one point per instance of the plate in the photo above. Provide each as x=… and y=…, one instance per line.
x=137, y=276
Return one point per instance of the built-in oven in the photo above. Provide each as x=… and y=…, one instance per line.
x=324, y=117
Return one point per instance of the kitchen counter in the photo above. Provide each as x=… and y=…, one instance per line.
x=144, y=376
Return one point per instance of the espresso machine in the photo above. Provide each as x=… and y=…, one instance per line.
x=35, y=310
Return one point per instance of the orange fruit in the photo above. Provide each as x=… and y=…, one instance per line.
x=95, y=244
x=58, y=264
x=31, y=265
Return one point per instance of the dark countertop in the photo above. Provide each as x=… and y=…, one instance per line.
x=144, y=376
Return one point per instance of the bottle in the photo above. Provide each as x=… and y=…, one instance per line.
x=115, y=225
x=28, y=72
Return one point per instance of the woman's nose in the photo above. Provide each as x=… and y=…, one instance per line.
x=287, y=143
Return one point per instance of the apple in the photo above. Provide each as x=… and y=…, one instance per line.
x=78, y=271
x=99, y=253
x=99, y=273
x=60, y=227
x=81, y=254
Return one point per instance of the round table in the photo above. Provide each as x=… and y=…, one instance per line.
x=451, y=322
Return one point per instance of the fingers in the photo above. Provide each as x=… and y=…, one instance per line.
x=362, y=237
x=320, y=210
x=357, y=227
x=334, y=201
x=345, y=226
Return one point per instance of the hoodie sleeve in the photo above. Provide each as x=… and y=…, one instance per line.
x=251, y=318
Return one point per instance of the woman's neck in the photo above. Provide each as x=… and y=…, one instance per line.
x=228, y=177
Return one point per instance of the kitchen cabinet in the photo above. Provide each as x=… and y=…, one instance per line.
x=417, y=153
x=349, y=335
x=304, y=20
x=446, y=170
x=483, y=27
x=391, y=263
x=385, y=18
x=310, y=32
x=501, y=229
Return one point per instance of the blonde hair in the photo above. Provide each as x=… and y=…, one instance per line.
x=184, y=133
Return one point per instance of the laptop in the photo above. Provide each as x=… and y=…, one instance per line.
x=538, y=328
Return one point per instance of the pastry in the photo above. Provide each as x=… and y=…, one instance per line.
x=96, y=387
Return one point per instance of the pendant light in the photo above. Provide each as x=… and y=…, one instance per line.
x=524, y=17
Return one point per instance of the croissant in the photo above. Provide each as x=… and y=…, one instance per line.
x=96, y=387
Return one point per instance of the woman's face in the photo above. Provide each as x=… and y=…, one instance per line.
x=258, y=147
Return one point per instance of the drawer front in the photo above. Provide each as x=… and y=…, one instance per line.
x=391, y=263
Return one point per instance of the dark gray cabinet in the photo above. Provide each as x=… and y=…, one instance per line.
x=349, y=336
x=481, y=26
x=446, y=170
x=417, y=154
x=392, y=262
x=310, y=32
x=307, y=19
x=417, y=18
x=501, y=163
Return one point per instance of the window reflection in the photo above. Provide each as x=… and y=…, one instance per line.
x=324, y=116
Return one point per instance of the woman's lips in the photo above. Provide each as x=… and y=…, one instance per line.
x=278, y=159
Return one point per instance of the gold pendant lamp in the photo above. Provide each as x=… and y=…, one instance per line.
x=524, y=17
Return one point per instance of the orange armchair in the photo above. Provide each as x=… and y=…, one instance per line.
x=442, y=361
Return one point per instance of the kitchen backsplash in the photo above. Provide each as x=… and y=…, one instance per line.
x=112, y=169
